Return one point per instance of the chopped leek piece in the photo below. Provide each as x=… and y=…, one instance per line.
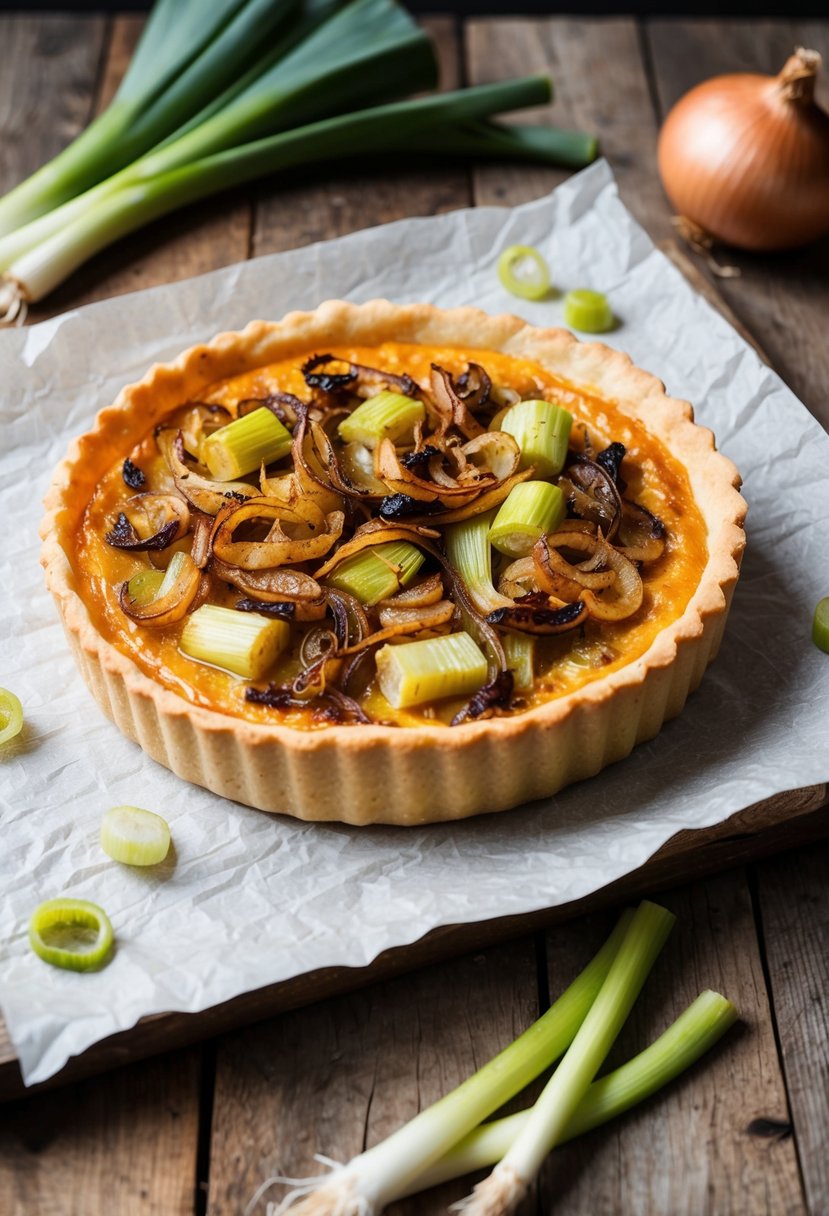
x=242, y=642
x=386, y=415
x=531, y=509
x=61, y=933
x=519, y=649
x=134, y=837
x=524, y=273
x=378, y=572
x=145, y=587
x=469, y=551
x=568, y=1086
x=687, y=1039
x=11, y=716
x=542, y=432
x=820, y=627
x=413, y=672
x=245, y=444
x=588, y=311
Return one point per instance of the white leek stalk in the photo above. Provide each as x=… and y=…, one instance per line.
x=374, y=1178
x=508, y=1183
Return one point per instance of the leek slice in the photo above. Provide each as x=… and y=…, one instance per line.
x=412, y=673
x=542, y=432
x=135, y=837
x=588, y=311
x=243, y=643
x=531, y=509
x=11, y=716
x=245, y=444
x=469, y=551
x=524, y=273
x=386, y=415
x=60, y=932
x=820, y=627
x=519, y=649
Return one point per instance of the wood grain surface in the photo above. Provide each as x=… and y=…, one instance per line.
x=197, y=1130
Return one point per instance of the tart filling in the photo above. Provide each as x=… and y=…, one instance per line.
x=558, y=608
x=404, y=534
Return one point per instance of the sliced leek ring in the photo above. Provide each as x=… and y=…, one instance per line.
x=60, y=933
x=11, y=716
x=135, y=837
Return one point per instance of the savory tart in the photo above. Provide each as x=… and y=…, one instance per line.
x=388, y=564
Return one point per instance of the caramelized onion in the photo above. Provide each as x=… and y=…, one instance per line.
x=561, y=578
x=276, y=586
x=172, y=606
x=364, y=381
x=623, y=597
x=278, y=549
x=495, y=695
x=452, y=409
x=376, y=532
x=430, y=616
x=285, y=406
x=419, y=595
x=351, y=623
x=540, y=616
x=591, y=493
x=201, y=492
x=641, y=535
x=161, y=518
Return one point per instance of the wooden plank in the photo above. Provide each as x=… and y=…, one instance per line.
x=690, y=1149
x=190, y=242
x=341, y=1076
x=305, y=205
x=115, y=1146
x=793, y=900
x=600, y=87
x=47, y=87
x=783, y=300
x=759, y=831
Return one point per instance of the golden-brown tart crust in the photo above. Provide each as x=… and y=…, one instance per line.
x=376, y=773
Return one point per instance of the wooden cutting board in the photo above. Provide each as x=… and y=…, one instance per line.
x=790, y=819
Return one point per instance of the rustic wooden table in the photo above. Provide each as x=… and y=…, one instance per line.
x=196, y=1130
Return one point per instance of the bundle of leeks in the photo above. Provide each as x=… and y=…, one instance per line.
x=218, y=95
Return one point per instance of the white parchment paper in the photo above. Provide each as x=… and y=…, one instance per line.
x=250, y=899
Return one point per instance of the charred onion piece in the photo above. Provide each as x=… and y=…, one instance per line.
x=133, y=476
x=327, y=382
x=351, y=623
x=474, y=387
x=625, y=595
x=375, y=532
x=403, y=506
x=364, y=381
x=275, y=696
x=430, y=616
x=278, y=548
x=641, y=536
x=535, y=617
x=164, y=516
x=428, y=591
x=493, y=696
x=285, y=611
x=172, y=606
x=610, y=459
x=402, y=480
x=591, y=493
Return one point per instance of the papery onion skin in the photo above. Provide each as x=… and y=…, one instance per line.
x=746, y=158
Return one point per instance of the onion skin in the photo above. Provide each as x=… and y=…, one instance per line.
x=745, y=158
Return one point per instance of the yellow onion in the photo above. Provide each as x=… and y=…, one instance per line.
x=745, y=158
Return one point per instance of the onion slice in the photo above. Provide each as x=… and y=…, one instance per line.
x=135, y=837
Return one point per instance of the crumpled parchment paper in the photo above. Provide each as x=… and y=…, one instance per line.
x=250, y=899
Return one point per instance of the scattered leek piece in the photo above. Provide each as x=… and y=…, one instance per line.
x=519, y=649
x=71, y=933
x=135, y=837
x=531, y=509
x=242, y=642
x=688, y=1038
x=413, y=672
x=387, y=414
x=469, y=551
x=506, y=1186
x=523, y=272
x=542, y=432
x=820, y=627
x=379, y=572
x=588, y=311
x=11, y=716
x=377, y=1176
x=245, y=444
